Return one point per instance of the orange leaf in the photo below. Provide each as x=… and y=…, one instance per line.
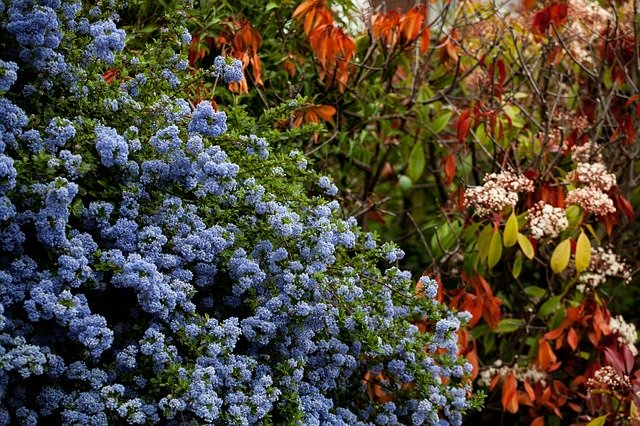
x=491, y=311
x=546, y=356
x=472, y=357
x=411, y=23
x=572, y=338
x=326, y=112
x=425, y=40
x=538, y=421
x=529, y=390
x=509, y=395
x=450, y=168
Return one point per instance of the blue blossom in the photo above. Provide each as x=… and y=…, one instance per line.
x=185, y=36
x=325, y=183
x=170, y=78
x=206, y=121
x=107, y=39
x=59, y=132
x=111, y=146
x=230, y=72
x=8, y=74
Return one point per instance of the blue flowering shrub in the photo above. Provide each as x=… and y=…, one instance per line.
x=159, y=263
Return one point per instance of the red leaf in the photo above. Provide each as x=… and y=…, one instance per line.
x=463, y=125
x=449, y=168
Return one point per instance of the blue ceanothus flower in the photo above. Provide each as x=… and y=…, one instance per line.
x=157, y=267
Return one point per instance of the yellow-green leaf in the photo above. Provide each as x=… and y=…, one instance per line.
x=416, y=162
x=509, y=325
x=517, y=266
x=598, y=421
x=583, y=252
x=510, y=236
x=495, y=249
x=561, y=255
x=484, y=241
x=526, y=246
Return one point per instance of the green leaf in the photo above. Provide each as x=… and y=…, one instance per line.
x=598, y=421
x=416, y=162
x=574, y=215
x=405, y=182
x=517, y=266
x=484, y=242
x=549, y=306
x=271, y=5
x=438, y=125
x=495, y=249
x=583, y=252
x=510, y=236
x=526, y=246
x=509, y=325
x=535, y=291
x=560, y=256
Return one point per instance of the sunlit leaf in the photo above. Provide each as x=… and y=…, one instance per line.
x=495, y=249
x=598, y=421
x=526, y=246
x=560, y=256
x=510, y=236
x=583, y=252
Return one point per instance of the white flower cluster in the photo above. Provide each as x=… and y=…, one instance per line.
x=546, y=220
x=627, y=334
x=588, y=21
x=593, y=174
x=499, y=190
x=593, y=197
x=591, y=200
x=522, y=373
x=585, y=153
x=607, y=378
x=604, y=263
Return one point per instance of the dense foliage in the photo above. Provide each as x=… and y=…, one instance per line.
x=498, y=145
x=159, y=262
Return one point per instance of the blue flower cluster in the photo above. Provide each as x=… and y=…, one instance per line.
x=155, y=268
x=229, y=69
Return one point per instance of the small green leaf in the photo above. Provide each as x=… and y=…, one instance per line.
x=509, y=325
x=511, y=230
x=583, y=252
x=437, y=125
x=416, y=162
x=549, y=306
x=405, y=182
x=271, y=5
x=574, y=215
x=526, y=246
x=560, y=256
x=495, y=249
x=517, y=266
x=534, y=291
